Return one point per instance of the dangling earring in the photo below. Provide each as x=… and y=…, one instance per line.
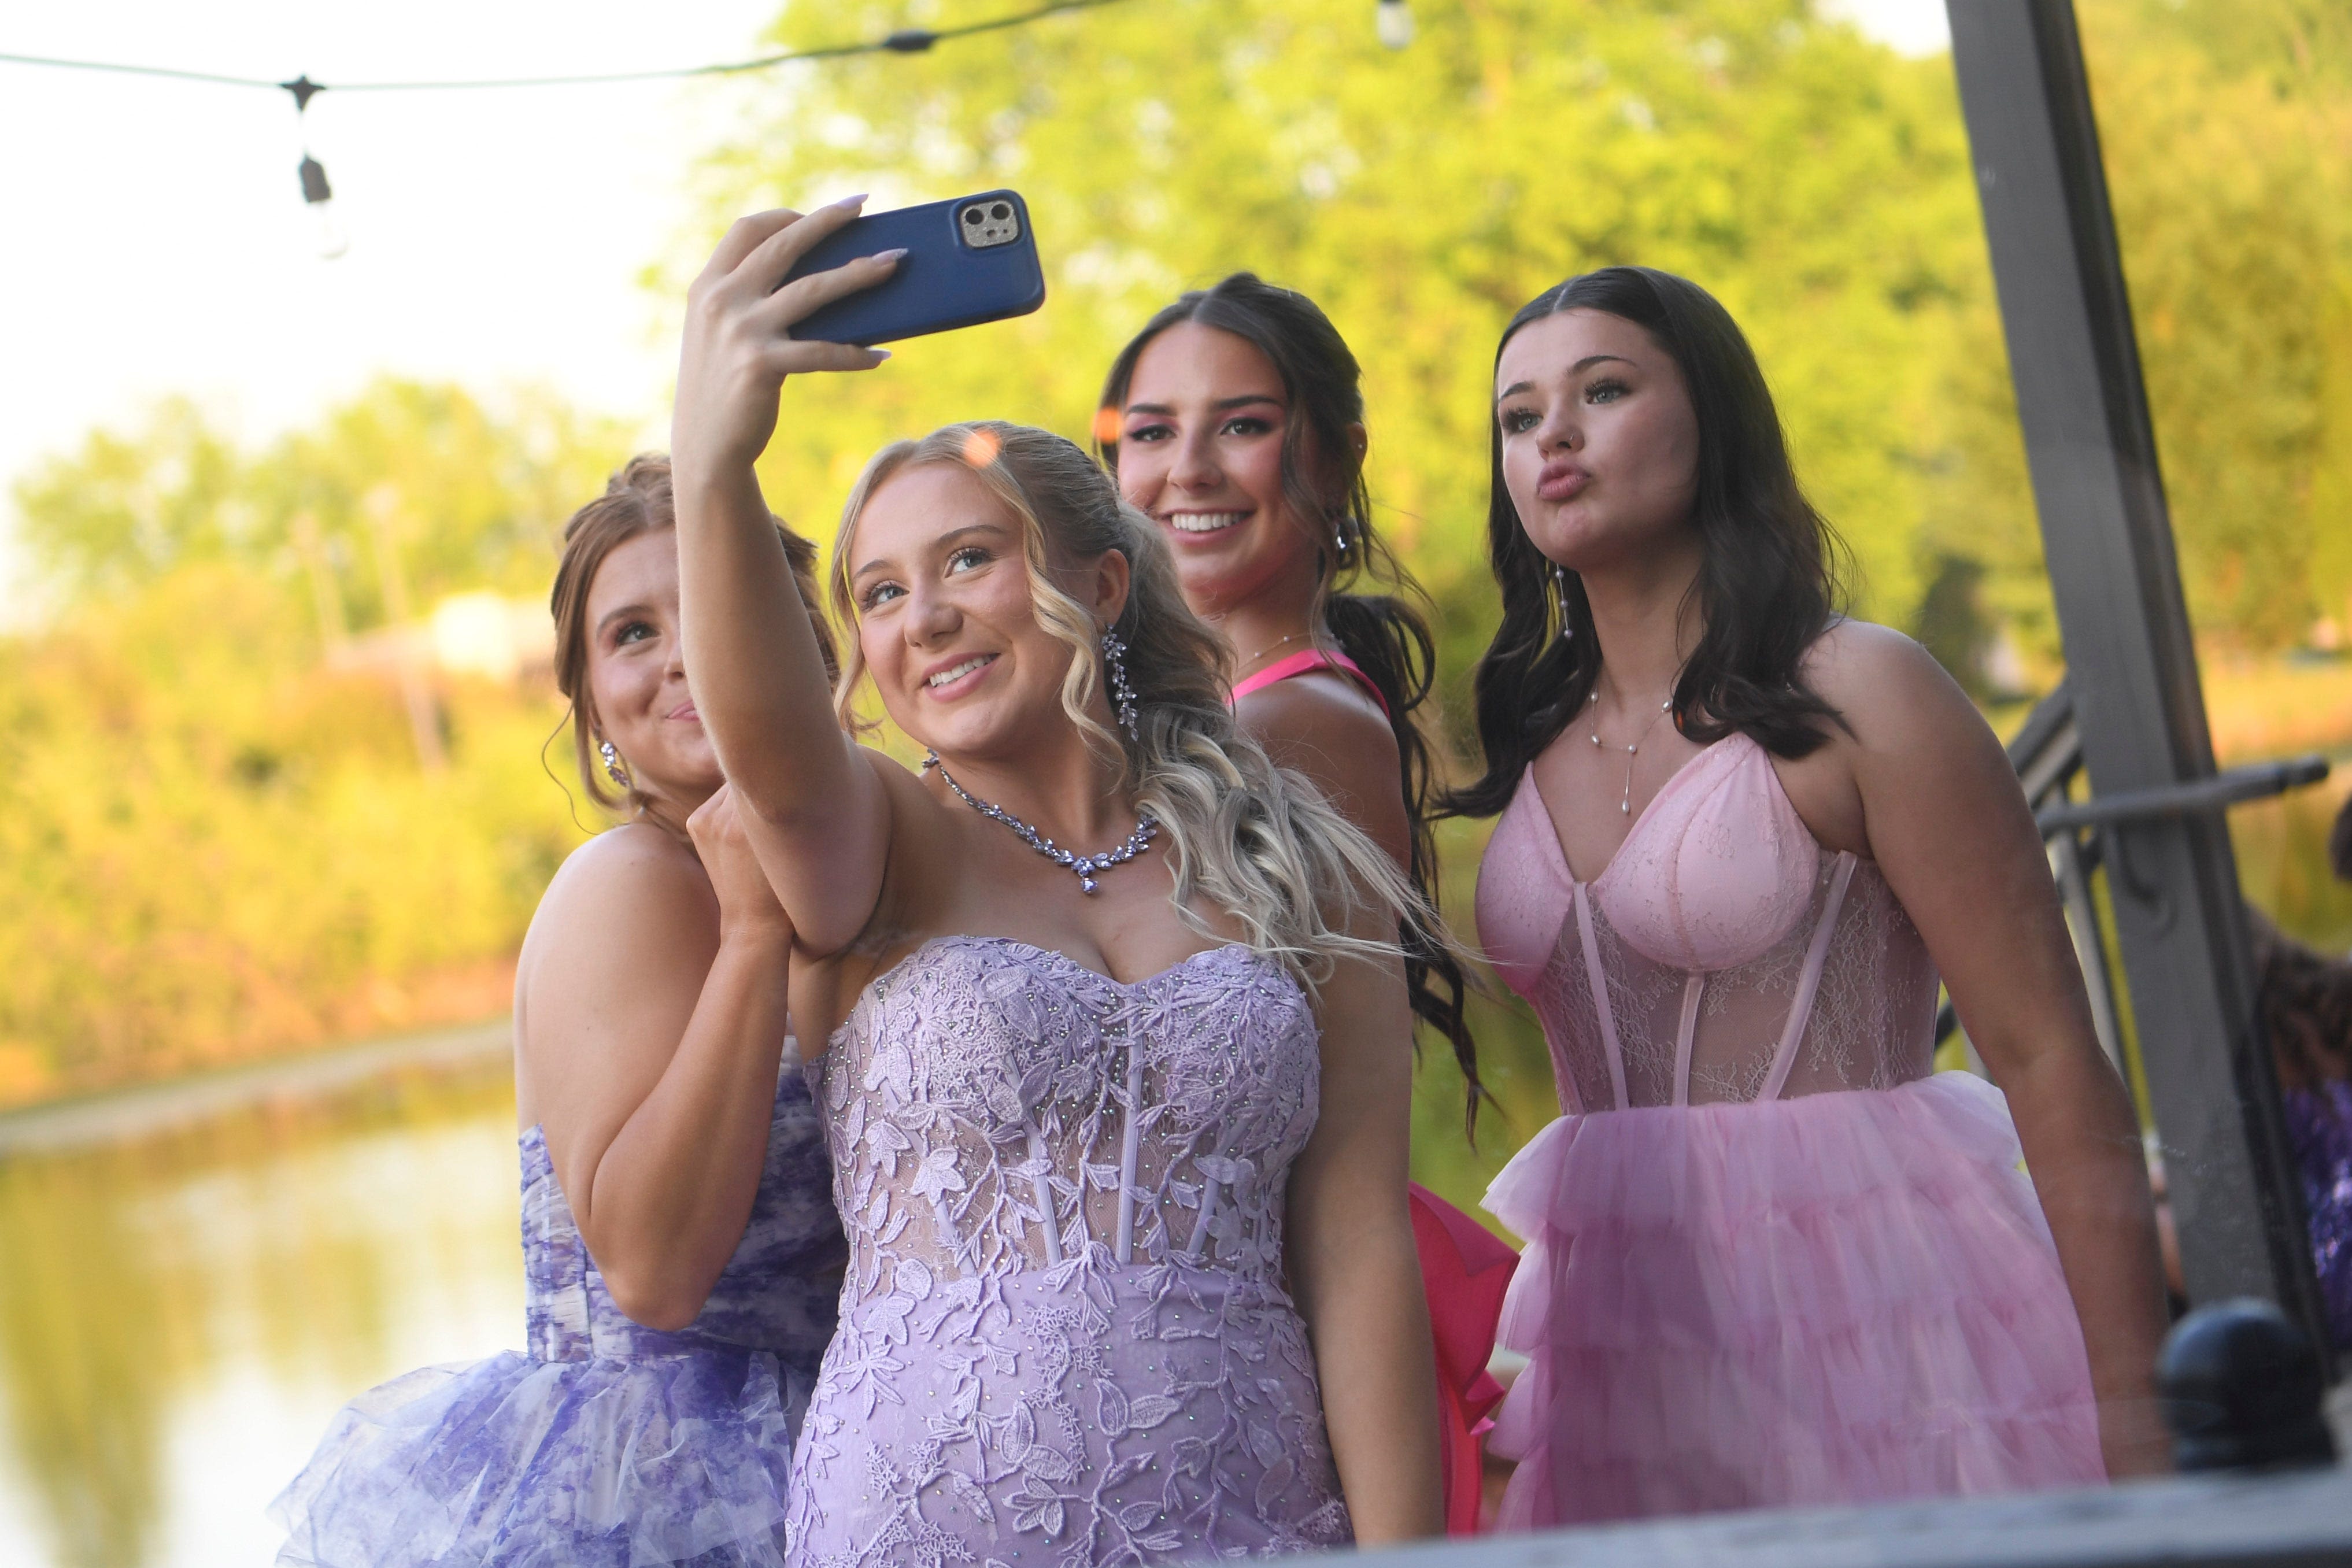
x=1122, y=695
x=1340, y=541
x=613, y=768
x=1560, y=595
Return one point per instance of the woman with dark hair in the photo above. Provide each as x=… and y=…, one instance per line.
x=680, y=1250
x=1234, y=420
x=1773, y=1258
x=1116, y=1074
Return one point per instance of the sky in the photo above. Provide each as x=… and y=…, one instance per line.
x=152, y=241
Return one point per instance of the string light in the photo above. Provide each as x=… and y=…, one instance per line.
x=333, y=238
x=319, y=195
x=1392, y=19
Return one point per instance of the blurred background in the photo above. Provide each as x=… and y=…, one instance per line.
x=276, y=788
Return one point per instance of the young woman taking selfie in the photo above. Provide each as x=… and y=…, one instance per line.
x=1773, y=1258
x=1120, y=1127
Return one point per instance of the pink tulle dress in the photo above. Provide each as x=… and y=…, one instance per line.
x=1773, y=1259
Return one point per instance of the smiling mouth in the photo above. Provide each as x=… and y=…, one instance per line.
x=1203, y=521
x=957, y=673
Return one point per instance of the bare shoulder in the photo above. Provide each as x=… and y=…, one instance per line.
x=1890, y=689
x=629, y=864
x=630, y=890
x=1324, y=725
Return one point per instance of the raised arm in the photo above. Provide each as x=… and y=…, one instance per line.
x=1952, y=832
x=818, y=816
x=1353, y=1269
x=652, y=1029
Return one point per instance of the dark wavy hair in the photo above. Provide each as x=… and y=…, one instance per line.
x=1386, y=634
x=1771, y=569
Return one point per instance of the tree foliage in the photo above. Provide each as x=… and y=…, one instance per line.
x=215, y=839
x=1815, y=181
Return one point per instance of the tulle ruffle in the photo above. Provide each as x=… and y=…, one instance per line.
x=524, y=1463
x=1838, y=1298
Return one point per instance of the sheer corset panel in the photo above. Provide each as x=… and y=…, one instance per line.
x=997, y=1108
x=1722, y=956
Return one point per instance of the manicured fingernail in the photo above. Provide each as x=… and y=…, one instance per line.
x=857, y=201
x=880, y=354
x=890, y=255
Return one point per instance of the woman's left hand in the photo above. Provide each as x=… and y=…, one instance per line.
x=748, y=909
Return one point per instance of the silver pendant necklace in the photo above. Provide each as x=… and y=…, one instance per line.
x=1625, y=801
x=1147, y=828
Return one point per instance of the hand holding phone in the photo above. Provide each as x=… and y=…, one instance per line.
x=739, y=345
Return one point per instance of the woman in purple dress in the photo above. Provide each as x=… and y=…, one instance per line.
x=679, y=1242
x=1119, y=1130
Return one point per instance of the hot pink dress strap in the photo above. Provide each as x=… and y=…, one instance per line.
x=1302, y=662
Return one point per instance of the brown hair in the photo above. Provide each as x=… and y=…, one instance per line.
x=636, y=500
x=1386, y=635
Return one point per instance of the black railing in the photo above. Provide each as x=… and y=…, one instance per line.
x=2048, y=756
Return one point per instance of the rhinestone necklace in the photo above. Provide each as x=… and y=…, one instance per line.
x=1147, y=828
x=1625, y=801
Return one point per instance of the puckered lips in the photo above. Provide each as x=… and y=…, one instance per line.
x=1562, y=479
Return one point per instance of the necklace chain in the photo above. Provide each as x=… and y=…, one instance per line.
x=1147, y=828
x=1269, y=647
x=1625, y=801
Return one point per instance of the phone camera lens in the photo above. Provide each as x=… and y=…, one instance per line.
x=1000, y=211
x=974, y=216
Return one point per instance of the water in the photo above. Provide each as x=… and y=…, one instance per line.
x=182, y=1310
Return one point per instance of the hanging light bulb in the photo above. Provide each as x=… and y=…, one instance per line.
x=1393, y=21
x=331, y=238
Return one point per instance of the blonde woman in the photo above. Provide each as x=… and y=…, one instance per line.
x=1117, y=1051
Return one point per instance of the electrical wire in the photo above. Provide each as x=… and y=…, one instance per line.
x=906, y=41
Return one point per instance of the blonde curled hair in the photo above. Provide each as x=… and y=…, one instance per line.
x=1242, y=836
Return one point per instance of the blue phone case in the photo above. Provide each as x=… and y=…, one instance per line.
x=970, y=260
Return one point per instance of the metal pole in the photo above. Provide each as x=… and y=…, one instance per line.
x=2108, y=542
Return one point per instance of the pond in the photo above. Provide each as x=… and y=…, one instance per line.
x=182, y=1308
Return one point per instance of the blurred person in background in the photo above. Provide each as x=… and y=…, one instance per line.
x=1234, y=420
x=680, y=1248
x=1121, y=1128
x=1773, y=1259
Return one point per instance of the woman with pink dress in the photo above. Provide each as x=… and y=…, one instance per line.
x=1773, y=1258
x=1234, y=420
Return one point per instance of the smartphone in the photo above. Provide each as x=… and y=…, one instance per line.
x=970, y=260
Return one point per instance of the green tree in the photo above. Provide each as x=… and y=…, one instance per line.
x=215, y=839
x=1816, y=180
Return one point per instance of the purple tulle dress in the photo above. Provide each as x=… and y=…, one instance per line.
x=1066, y=1338
x=1772, y=1257
x=608, y=1445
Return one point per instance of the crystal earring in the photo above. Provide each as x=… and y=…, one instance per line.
x=613, y=768
x=1122, y=695
x=1560, y=595
x=1340, y=543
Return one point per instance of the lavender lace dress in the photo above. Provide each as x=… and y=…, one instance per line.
x=1064, y=1337
x=608, y=1445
